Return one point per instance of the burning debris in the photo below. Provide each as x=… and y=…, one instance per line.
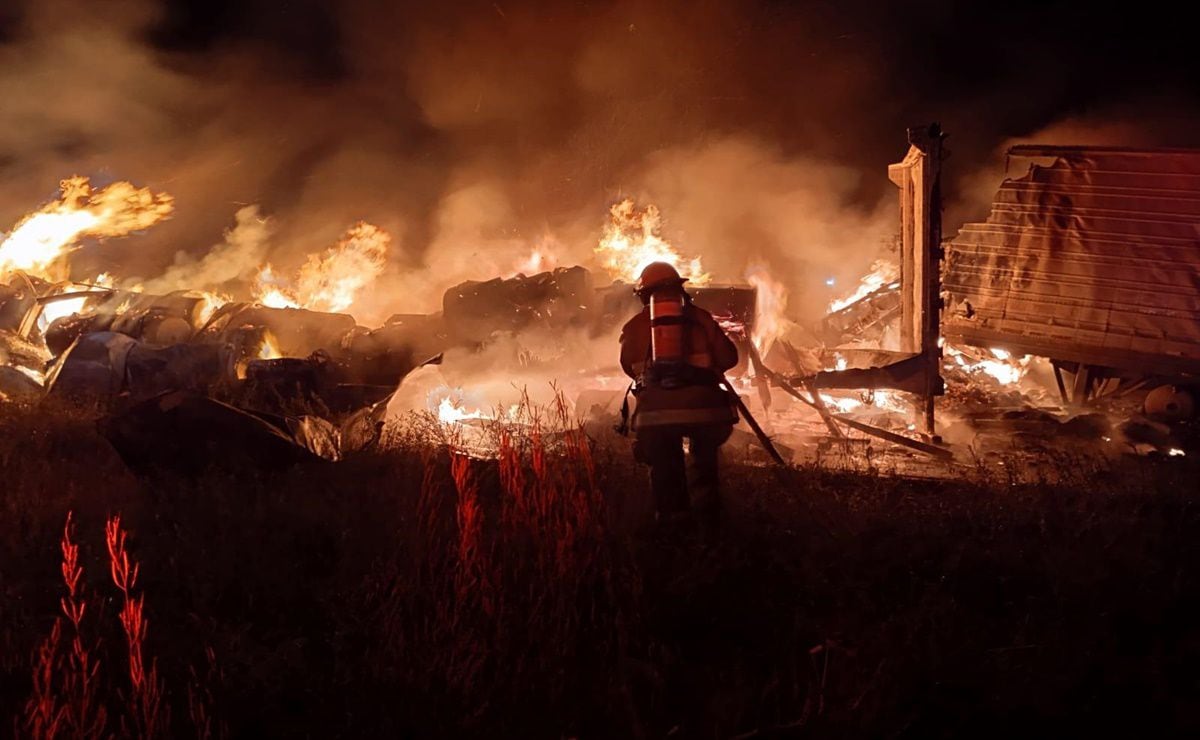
x=884, y=273
x=295, y=360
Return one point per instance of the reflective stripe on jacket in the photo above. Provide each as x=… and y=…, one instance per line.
x=708, y=349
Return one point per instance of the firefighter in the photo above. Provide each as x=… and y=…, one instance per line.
x=677, y=355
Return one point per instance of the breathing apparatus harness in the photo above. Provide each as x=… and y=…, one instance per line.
x=666, y=365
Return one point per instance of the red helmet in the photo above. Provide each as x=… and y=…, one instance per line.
x=658, y=275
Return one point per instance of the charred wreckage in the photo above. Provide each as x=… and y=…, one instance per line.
x=1090, y=261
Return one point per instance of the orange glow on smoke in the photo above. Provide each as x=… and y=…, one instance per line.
x=539, y=260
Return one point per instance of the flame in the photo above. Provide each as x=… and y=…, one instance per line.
x=843, y=404
x=40, y=240
x=451, y=407
x=889, y=401
x=330, y=281
x=882, y=273
x=880, y=399
x=631, y=240
x=839, y=364
x=1176, y=452
x=269, y=290
x=770, y=301
x=209, y=303
x=1002, y=366
x=54, y=310
x=269, y=349
x=452, y=412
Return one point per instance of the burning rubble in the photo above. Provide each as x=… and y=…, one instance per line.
x=291, y=359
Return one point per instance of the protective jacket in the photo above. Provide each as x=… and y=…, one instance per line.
x=693, y=396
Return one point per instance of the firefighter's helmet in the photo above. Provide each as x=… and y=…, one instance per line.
x=658, y=275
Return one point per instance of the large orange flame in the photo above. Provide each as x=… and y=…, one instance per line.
x=631, y=240
x=39, y=241
x=332, y=280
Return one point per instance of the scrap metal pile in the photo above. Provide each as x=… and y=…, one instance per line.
x=306, y=374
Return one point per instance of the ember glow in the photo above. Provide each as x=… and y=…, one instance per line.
x=39, y=241
x=631, y=240
x=1001, y=366
x=330, y=281
x=883, y=272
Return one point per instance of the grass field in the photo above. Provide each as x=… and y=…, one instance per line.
x=423, y=593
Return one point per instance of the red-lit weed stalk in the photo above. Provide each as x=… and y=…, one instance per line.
x=518, y=583
x=71, y=696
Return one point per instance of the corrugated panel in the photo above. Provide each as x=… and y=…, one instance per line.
x=1095, y=258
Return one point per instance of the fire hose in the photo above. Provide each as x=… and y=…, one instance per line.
x=763, y=439
x=725, y=385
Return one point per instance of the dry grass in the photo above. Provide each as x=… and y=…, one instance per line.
x=426, y=592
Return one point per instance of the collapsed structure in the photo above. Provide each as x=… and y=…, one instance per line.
x=1091, y=260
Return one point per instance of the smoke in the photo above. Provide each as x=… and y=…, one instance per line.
x=575, y=359
x=237, y=258
x=762, y=131
x=740, y=202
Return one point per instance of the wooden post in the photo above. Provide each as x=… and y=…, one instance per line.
x=1058, y=378
x=919, y=180
x=1081, y=385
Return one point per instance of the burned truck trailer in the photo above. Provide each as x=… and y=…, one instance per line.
x=1090, y=259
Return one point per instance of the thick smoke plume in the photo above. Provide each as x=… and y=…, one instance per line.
x=477, y=133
